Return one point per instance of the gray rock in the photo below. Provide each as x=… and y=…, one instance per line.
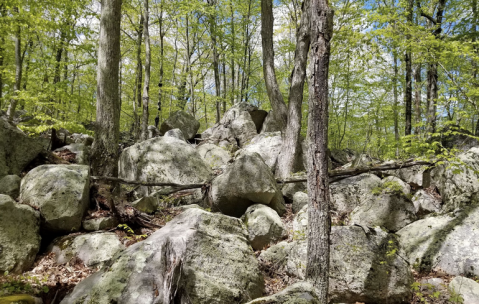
x=449, y=244
x=100, y=223
x=183, y=121
x=153, y=132
x=300, y=224
x=198, y=257
x=268, y=146
x=258, y=117
x=411, y=175
x=163, y=160
x=390, y=211
x=458, y=185
x=213, y=155
x=264, y=226
x=270, y=125
x=289, y=190
x=466, y=289
x=60, y=192
x=10, y=185
x=19, y=235
x=300, y=199
x=349, y=193
x=298, y=293
x=278, y=203
x=147, y=204
x=81, y=150
x=276, y=256
x=176, y=133
x=92, y=249
x=17, y=150
x=395, y=181
x=425, y=203
x=85, y=139
x=245, y=182
x=363, y=268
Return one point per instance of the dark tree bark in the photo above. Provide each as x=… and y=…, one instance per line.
x=162, y=73
x=18, y=71
x=146, y=85
x=2, y=53
x=138, y=81
x=417, y=104
x=396, y=104
x=319, y=227
x=408, y=60
x=288, y=158
x=104, y=159
x=212, y=20
x=280, y=111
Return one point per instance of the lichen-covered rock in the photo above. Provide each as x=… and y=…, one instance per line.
x=81, y=150
x=19, y=235
x=390, y=211
x=447, y=243
x=147, y=204
x=85, y=139
x=289, y=190
x=176, y=133
x=458, y=185
x=298, y=293
x=92, y=249
x=10, y=185
x=264, y=226
x=163, y=160
x=198, y=257
x=20, y=299
x=464, y=288
x=60, y=192
x=424, y=203
x=270, y=124
x=300, y=199
x=350, y=192
x=268, y=146
x=395, y=182
x=153, y=132
x=411, y=175
x=100, y=223
x=245, y=182
x=277, y=255
x=363, y=267
x=17, y=150
x=300, y=224
x=183, y=121
x=213, y=155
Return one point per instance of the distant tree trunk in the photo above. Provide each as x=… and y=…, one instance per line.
x=417, y=83
x=319, y=221
x=408, y=60
x=289, y=155
x=139, y=79
x=396, y=104
x=146, y=85
x=2, y=54
x=232, y=53
x=162, y=51
x=18, y=71
x=216, y=72
x=104, y=158
x=280, y=111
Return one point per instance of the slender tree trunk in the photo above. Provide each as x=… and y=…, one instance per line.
x=2, y=53
x=162, y=51
x=212, y=17
x=139, y=79
x=396, y=104
x=146, y=85
x=232, y=53
x=280, y=111
x=289, y=155
x=417, y=83
x=224, y=79
x=105, y=147
x=432, y=95
x=18, y=71
x=319, y=221
x=245, y=54
x=408, y=60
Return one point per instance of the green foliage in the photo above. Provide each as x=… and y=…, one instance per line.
x=392, y=187
x=22, y=284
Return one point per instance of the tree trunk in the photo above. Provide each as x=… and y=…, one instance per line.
x=232, y=53
x=432, y=95
x=139, y=79
x=417, y=84
x=408, y=60
x=160, y=82
x=146, y=85
x=18, y=71
x=216, y=72
x=280, y=111
x=288, y=158
x=2, y=54
x=396, y=105
x=319, y=227
x=104, y=159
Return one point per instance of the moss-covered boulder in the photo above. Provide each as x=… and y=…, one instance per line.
x=298, y=293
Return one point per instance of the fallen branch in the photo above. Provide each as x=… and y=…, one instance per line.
x=147, y=184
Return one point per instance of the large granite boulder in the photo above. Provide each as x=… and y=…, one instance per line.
x=235, y=129
x=464, y=289
x=61, y=194
x=19, y=235
x=447, y=243
x=10, y=185
x=91, y=249
x=183, y=121
x=425, y=203
x=298, y=293
x=349, y=193
x=213, y=155
x=198, y=257
x=411, y=175
x=81, y=151
x=247, y=181
x=264, y=226
x=458, y=184
x=163, y=160
x=363, y=267
x=268, y=146
x=17, y=150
